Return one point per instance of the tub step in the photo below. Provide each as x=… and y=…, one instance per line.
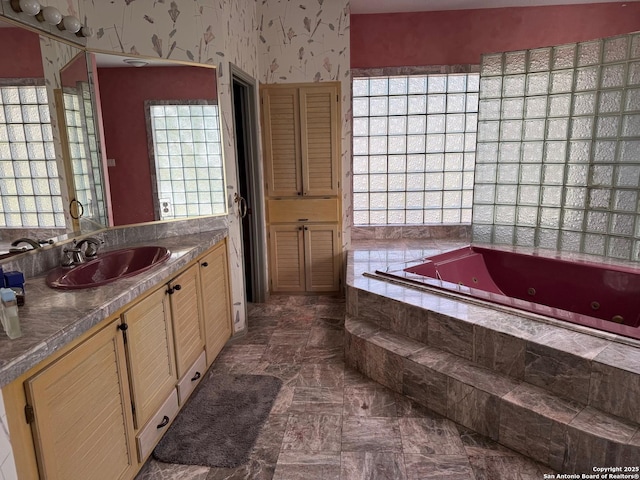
x=564, y=434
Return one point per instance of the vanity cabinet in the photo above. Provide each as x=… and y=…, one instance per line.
x=183, y=292
x=97, y=408
x=150, y=352
x=82, y=411
x=216, y=299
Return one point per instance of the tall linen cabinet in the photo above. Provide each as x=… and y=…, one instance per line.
x=301, y=141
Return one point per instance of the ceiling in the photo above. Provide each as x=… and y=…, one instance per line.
x=388, y=6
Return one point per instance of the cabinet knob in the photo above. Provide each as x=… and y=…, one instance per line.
x=196, y=376
x=299, y=228
x=178, y=287
x=299, y=193
x=163, y=423
x=123, y=327
x=306, y=228
x=173, y=289
x=205, y=264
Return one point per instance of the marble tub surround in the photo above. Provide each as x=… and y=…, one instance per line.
x=37, y=262
x=425, y=232
x=50, y=319
x=526, y=383
x=332, y=423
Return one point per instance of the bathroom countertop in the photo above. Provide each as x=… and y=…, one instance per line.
x=51, y=319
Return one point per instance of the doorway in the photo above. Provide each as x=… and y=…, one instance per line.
x=243, y=89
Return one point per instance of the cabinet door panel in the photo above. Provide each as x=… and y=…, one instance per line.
x=287, y=258
x=281, y=127
x=322, y=263
x=150, y=351
x=185, y=314
x=216, y=302
x=319, y=140
x=83, y=425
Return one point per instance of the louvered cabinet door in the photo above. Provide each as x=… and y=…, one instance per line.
x=286, y=248
x=322, y=261
x=216, y=303
x=82, y=412
x=281, y=130
x=319, y=140
x=152, y=371
x=188, y=332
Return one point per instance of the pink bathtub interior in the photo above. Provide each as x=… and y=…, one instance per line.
x=605, y=297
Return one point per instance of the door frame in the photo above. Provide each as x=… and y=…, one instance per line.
x=258, y=255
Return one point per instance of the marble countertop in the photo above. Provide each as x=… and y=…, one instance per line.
x=51, y=319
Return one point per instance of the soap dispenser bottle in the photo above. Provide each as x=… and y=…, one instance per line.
x=10, y=320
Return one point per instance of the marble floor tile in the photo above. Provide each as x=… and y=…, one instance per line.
x=405, y=407
x=318, y=428
x=430, y=436
x=438, y=467
x=313, y=433
x=506, y=468
x=373, y=466
x=256, y=335
x=305, y=466
x=327, y=400
x=370, y=434
x=374, y=401
x=321, y=375
x=282, y=336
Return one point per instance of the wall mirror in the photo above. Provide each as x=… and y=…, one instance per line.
x=162, y=139
x=80, y=145
x=34, y=193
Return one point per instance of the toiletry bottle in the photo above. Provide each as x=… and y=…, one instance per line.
x=10, y=320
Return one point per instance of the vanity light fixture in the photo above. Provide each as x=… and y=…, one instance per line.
x=49, y=15
x=52, y=16
x=134, y=62
x=70, y=23
x=85, y=32
x=29, y=7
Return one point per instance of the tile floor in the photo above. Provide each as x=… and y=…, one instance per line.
x=330, y=422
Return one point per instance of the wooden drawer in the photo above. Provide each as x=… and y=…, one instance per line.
x=152, y=431
x=192, y=378
x=303, y=210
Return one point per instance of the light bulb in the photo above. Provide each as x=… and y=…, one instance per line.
x=50, y=15
x=71, y=23
x=85, y=32
x=30, y=7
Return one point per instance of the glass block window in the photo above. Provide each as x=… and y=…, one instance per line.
x=188, y=160
x=414, y=143
x=558, y=160
x=29, y=182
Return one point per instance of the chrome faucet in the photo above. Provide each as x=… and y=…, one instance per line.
x=34, y=244
x=75, y=256
x=91, y=249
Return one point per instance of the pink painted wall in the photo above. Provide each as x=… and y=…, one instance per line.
x=461, y=36
x=20, y=54
x=122, y=95
x=74, y=71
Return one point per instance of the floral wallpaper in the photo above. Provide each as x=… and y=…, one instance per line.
x=308, y=41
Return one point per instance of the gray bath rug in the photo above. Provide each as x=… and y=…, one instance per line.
x=220, y=422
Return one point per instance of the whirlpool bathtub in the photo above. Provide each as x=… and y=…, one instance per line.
x=601, y=296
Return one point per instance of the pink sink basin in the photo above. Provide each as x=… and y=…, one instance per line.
x=107, y=267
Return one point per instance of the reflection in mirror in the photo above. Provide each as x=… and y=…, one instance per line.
x=31, y=198
x=80, y=144
x=162, y=139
